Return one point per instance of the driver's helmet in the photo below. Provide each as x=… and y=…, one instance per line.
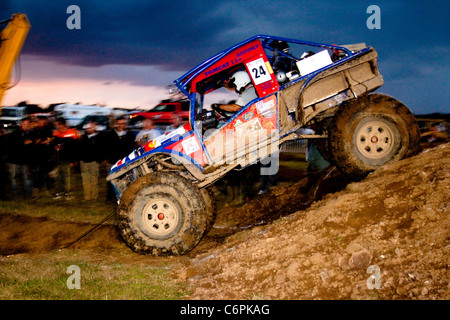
x=240, y=79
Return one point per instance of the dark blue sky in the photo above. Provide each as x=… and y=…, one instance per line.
x=173, y=36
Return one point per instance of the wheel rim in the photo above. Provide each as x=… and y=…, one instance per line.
x=160, y=217
x=375, y=139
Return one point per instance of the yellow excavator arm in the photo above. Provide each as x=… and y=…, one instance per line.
x=12, y=38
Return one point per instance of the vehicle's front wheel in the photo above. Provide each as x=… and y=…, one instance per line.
x=369, y=132
x=162, y=214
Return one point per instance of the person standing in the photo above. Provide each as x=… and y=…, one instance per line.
x=268, y=172
x=19, y=155
x=66, y=147
x=119, y=142
x=44, y=154
x=176, y=122
x=5, y=187
x=90, y=158
x=148, y=132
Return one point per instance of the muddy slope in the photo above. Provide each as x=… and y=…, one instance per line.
x=395, y=220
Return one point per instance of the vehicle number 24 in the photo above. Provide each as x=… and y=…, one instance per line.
x=258, y=70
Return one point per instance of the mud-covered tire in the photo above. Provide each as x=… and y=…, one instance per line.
x=162, y=214
x=369, y=132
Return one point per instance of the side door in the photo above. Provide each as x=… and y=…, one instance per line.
x=252, y=134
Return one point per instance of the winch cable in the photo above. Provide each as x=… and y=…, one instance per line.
x=92, y=229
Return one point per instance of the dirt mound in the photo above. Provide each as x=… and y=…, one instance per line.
x=23, y=234
x=395, y=221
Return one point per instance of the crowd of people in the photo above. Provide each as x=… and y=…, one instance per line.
x=40, y=157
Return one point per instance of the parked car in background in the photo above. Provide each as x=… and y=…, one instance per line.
x=75, y=113
x=162, y=114
x=103, y=122
x=11, y=116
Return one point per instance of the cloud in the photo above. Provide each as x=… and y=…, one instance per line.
x=117, y=32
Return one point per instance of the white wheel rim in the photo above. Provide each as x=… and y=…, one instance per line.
x=375, y=139
x=160, y=217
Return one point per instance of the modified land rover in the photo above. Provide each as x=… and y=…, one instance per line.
x=164, y=206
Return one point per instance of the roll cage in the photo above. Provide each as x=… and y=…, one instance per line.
x=211, y=74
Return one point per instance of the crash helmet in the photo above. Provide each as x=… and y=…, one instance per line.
x=240, y=79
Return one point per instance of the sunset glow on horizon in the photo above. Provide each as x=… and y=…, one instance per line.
x=42, y=81
x=85, y=91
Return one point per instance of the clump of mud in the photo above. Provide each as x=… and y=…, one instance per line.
x=386, y=237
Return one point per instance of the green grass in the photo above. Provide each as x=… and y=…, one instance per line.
x=25, y=278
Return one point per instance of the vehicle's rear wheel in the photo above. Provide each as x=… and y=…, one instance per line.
x=162, y=214
x=369, y=132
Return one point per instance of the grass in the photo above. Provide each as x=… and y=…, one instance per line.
x=24, y=277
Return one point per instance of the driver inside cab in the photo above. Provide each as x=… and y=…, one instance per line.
x=241, y=83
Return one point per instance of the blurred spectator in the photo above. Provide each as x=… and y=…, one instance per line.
x=268, y=172
x=316, y=161
x=4, y=176
x=44, y=154
x=90, y=158
x=119, y=142
x=19, y=155
x=148, y=132
x=66, y=147
x=177, y=121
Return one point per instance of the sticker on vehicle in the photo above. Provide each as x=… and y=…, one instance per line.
x=190, y=145
x=258, y=71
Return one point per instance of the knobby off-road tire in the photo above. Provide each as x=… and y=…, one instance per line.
x=163, y=214
x=369, y=132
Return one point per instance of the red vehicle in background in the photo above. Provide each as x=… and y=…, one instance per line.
x=163, y=113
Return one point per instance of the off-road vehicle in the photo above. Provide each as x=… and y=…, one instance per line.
x=164, y=205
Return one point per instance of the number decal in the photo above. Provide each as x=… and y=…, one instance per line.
x=256, y=75
x=258, y=71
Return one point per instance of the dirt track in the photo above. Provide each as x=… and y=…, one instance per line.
x=285, y=246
